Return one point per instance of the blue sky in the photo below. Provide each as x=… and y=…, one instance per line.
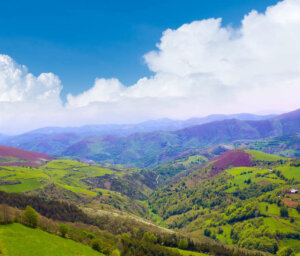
x=82, y=40
x=90, y=62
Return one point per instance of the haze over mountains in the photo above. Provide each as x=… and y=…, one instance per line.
x=154, y=142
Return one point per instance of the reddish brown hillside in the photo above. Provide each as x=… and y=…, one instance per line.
x=23, y=157
x=231, y=158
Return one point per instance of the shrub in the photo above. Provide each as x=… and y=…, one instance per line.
x=115, y=252
x=63, y=229
x=148, y=237
x=183, y=244
x=30, y=217
x=6, y=215
x=99, y=245
x=298, y=208
x=284, y=212
x=207, y=232
x=286, y=251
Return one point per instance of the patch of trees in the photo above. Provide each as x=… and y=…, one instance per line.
x=252, y=234
x=254, y=190
x=134, y=241
x=240, y=213
x=284, y=212
x=56, y=210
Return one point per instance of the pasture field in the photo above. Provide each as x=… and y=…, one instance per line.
x=18, y=240
x=261, y=156
x=65, y=173
x=290, y=172
x=257, y=175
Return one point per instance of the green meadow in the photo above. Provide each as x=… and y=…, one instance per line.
x=18, y=240
x=65, y=173
x=261, y=156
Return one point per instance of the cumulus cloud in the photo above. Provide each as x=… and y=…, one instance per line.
x=200, y=68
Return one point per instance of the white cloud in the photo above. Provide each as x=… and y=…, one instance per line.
x=200, y=68
x=17, y=85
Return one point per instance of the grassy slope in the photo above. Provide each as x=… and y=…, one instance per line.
x=189, y=253
x=68, y=175
x=18, y=240
x=261, y=156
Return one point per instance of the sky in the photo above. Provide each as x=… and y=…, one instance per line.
x=74, y=63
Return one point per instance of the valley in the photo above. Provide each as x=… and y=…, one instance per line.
x=229, y=187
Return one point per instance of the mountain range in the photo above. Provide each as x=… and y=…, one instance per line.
x=54, y=140
x=152, y=149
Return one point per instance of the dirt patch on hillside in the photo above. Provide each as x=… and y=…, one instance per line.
x=288, y=202
x=261, y=182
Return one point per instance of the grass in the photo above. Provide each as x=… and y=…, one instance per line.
x=261, y=156
x=196, y=159
x=79, y=190
x=273, y=209
x=225, y=236
x=290, y=172
x=188, y=253
x=157, y=219
x=18, y=240
x=295, y=244
x=65, y=173
x=26, y=185
x=276, y=224
x=241, y=174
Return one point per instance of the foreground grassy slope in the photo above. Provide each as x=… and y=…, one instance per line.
x=18, y=240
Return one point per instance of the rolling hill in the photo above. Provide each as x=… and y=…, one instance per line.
x=54, y=140
x=287, y=145
x=152, y=149
x=240, y=197
x=219, y=196
x=14, y=156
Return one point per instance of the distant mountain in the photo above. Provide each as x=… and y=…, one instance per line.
x=54, y=140
x=152, y=149
x=14, y=156
x=3, y=137
x=287, y=145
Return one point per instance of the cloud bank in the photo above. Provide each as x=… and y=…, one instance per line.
x=200, y=68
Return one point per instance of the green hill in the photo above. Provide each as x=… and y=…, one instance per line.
x=81, y=183
x=240, y=198
x=18, y=240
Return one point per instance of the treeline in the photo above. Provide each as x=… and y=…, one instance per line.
x=123, y=234
x=53, y=209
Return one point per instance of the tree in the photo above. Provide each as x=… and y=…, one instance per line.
x=207, y=232
x=286, y=251
x=115, y=252
x=30, y=217
x=183, y=244
x=63, y=229
x=149, y=237
x=284, y=212
x=5, y=214
x=98, y=245
x=298, y=208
